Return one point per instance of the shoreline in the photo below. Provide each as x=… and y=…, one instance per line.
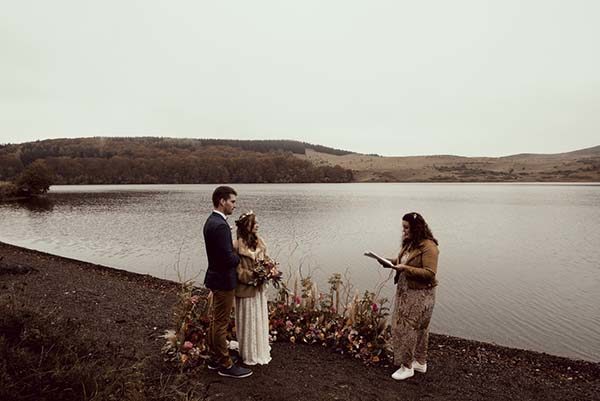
x=128, y=273
x=548, y=183
x=126, y=312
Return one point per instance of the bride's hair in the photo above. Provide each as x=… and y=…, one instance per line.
x=245, y=224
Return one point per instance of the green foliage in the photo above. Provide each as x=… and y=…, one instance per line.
x=8, y=190
x=265, y=146
x=10, y=163
x=169, y=161
x=35, y=179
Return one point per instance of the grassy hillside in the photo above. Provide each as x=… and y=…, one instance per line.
x=578, y=166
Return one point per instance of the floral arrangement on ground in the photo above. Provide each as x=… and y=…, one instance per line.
x=359, y=328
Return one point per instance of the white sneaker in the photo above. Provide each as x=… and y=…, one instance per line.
x=418, y=367
x=403, y=373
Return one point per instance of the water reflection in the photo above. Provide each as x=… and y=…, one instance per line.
x=37, y=205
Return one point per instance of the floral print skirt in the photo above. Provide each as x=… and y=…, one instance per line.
x=410, y=323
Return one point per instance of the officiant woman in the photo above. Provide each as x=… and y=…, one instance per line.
x=416, y=268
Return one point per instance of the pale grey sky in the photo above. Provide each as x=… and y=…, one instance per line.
x=464, y=77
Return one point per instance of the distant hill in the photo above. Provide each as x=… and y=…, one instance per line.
x=595, y=151
x=148, y=160
x=577, y=166
x=272, y=145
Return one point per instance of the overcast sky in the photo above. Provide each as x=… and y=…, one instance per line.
x=464, y=77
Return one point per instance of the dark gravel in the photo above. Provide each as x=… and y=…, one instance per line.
x=124, y=313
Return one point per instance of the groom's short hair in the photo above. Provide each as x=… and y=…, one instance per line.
x=222, y=192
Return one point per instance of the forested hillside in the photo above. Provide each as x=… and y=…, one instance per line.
x=152, y=160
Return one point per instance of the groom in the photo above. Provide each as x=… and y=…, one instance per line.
x=221, y=279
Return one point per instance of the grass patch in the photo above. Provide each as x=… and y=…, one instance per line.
x=47, y=357
x=8, y=190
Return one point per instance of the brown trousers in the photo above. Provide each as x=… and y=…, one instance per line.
x=222, y=304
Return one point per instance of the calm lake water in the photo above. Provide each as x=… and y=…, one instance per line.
x=519, y=263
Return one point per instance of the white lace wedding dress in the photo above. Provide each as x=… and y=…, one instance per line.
x=252, y=326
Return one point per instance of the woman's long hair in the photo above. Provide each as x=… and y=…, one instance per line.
x=245, y=224
x=419, y=230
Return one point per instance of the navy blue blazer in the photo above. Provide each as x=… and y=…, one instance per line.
x=222, y=260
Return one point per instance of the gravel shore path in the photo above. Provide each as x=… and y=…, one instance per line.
x=120, y=315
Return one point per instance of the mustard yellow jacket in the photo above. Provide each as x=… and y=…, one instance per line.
x=423, y=264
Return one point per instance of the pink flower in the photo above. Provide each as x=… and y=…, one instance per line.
x=188, y=345
x=194, y=299
x=374, y=308
x=297, y=300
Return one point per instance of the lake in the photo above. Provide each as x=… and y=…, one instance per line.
x=519, y=263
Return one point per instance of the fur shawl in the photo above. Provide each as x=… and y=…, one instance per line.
x=245, y=270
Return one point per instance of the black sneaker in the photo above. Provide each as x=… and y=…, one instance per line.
x=235, y=371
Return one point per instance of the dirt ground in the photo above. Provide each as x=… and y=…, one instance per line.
x=120, y=315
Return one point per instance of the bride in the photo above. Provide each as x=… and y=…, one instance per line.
x=251, y=313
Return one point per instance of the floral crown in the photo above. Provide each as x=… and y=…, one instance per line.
x=244, y=217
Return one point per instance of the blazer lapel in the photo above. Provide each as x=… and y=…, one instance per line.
x=413, y=254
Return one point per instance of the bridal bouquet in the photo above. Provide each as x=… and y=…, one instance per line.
x=266, y=271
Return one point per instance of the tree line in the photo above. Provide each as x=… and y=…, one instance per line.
x=34, y=180
x=167, y=161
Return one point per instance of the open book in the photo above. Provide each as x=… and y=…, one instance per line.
x=386, y=263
